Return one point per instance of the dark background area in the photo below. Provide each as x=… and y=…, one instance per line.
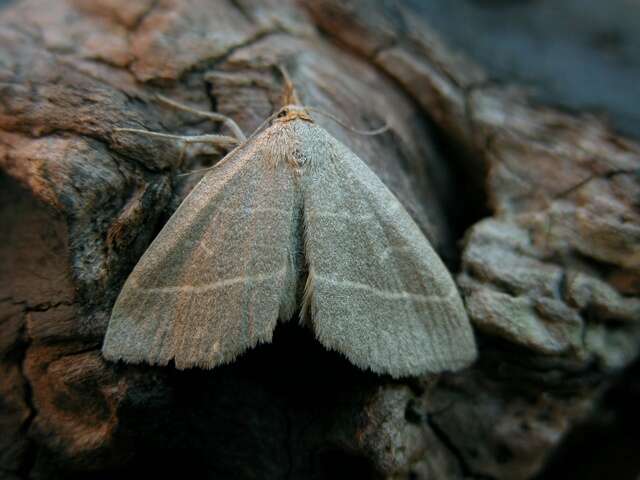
x=576, y=54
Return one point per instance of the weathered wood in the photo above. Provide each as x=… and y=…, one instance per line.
x=550, y=276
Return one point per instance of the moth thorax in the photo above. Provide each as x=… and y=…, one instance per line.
x=289, y=113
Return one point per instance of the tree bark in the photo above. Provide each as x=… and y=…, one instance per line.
x=534, y=208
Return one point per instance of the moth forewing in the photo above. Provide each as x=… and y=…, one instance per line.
x=380, y=294
x=213, y=282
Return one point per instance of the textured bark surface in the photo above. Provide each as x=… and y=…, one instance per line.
x=535, y=208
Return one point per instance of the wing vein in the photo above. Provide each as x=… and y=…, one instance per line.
x=211, y=286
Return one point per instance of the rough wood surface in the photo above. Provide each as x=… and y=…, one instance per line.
x=549, y=266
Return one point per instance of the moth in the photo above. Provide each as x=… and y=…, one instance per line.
x=292, y=221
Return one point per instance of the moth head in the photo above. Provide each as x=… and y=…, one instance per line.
x=293, y=112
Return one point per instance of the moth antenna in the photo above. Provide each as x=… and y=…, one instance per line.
x=289, y=96
x=216, y=117
x=377, y=131
x=220, y=140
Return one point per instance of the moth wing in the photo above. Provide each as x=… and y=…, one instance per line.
x=217, y=277
x=377, y=291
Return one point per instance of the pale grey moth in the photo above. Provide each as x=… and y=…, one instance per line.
x=289, y=221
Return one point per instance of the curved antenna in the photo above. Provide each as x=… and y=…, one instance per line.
x=211, y=138
x=289, y=96
x=216, y=117
x=377, y=131
x=237, y=147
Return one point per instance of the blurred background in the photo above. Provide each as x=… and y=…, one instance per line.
x=576, y=54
